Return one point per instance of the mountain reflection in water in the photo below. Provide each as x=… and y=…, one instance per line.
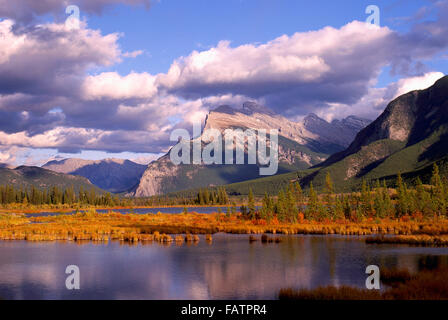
x=228, y=268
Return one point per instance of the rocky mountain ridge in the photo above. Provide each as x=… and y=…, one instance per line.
x=114, y=175
x=301, y=145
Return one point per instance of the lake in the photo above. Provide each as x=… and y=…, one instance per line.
x=229, y=268
x=171, y=210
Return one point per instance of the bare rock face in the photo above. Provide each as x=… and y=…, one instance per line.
x=410, y=135
x=156, y=176
x=114, y=175
x=397, y=122
x=301, y=145
x=312, y=131
x=338, y=132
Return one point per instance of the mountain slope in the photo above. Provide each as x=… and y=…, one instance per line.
x=411, y=134
x=301, y=145
x=114, y=175
x=26, y=177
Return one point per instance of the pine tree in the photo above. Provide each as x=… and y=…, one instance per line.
x=366, y=200
x=438, y=192
x=313, y=206
x=422, y=198
x=290, y=205
x=264, y=212
x=251, y=205
x=402, y=202
x=299, y=196
x=329, y=189
x=379, y=201
x=339, y=208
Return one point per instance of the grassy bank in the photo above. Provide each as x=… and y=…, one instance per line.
x=115, y=226
x=401, y=285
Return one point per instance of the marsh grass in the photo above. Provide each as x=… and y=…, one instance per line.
x=394, y=277
x=149, y=227
x=419, y=240
x=425, y=285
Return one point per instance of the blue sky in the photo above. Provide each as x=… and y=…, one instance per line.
x=174, y=28
x=111, y=103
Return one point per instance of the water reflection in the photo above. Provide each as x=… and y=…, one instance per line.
x=228, y=268
x=170, y=210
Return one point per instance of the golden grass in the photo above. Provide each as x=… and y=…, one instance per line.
x=420, y=240
x=329, y=293
x=395, y=276
x=159, y=228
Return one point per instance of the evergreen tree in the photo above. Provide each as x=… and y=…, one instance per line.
x=403, y=197
x=313, y=206
x=299, y=197
x=438, y=192
x=290, y=205
x=422, y=198
x=378, y=201
x=251, y=205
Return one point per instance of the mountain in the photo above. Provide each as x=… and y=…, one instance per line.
x=25, y=176
x=334, y=135
x=301, y=145
x=114, y=175
x=408, y=137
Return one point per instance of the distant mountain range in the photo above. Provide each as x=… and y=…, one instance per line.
x=26, y=177
x=301, y=145
x=408, y=137
x=114, y=175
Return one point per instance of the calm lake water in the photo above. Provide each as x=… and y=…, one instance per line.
x=229, y=268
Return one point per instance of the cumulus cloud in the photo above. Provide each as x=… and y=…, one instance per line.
x=28, y=10
x=308, y=70
x=373, y=103
x=110, y=85
x=73, y=140
x=49, y=59
x=9, y=154
x=52, y=94
x=329, y=64
x=405, y=85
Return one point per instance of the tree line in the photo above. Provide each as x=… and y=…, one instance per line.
x=55, y=196
x=372, y=201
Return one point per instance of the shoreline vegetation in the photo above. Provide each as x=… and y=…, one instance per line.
x=409, y=215
x=166, y=228
x=18, y=208
x=427, y=284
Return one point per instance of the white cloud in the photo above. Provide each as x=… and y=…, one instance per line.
x=331, y=59
x=373, y=103
x=49, y=100
x=416, y=83
x=48, y=59
x=8, y=154
x=110, y=85
x=133, y=54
